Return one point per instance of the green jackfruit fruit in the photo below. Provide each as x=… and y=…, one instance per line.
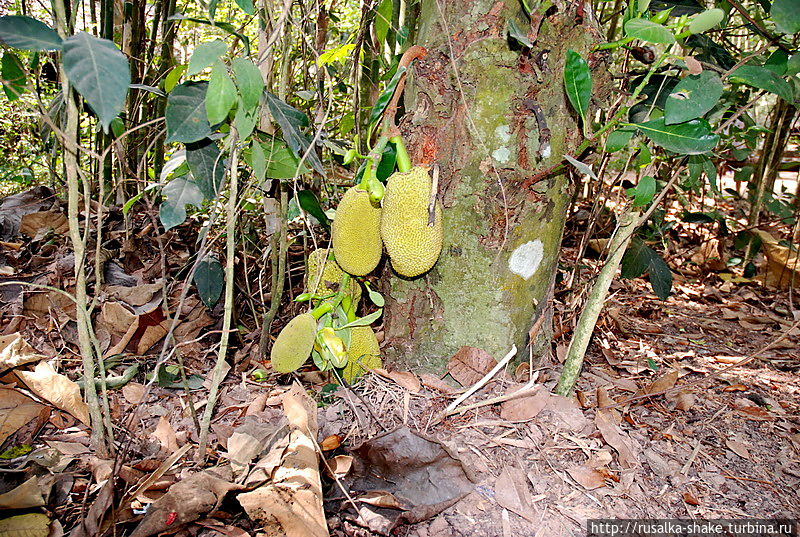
x=412, y=245
x=363, y=353
x=294, y=343
x=356, y=233
x=324, y=275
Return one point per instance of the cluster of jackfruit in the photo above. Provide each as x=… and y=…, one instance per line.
x=360, y=229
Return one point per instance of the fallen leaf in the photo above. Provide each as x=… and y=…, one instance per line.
x=138, y=295
x=133, y=392
x=588, y=478
x=511, y=492
x=525, y=408
x=469, y=365
x=331, y=442
x=690, y=498
x=434, y=382
x=16, y=410
x=24, y=496
x=735, y=388
x=662, y=383
x=30, y=525
x=57, y=389
x=34, y=224
x=15, y=351
x=407, y=380
x=684, y=400
x=165, y=434
x=738, y=447
x=381, y=498
x=613, y=436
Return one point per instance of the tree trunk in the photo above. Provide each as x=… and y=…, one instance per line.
x=490, y=124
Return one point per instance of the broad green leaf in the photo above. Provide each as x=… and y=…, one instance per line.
x=258, y=160
x=692, y=97
x=640, y=258
x=172, y=78
x=334, y=55
x=793, y=64
x=644, y=191
x=210, y=280
x=383, y=20
x=186, y=116
x=13, y=75
x=151, y=89
x=364, y=321
x=384, y=98
x=690, y=138
x=291, y=120
x=777, y=62
x=706, y=20
x=578, y=83
x=221, y=94
x=205, y=54
x=581, y=167
x=711, y=51
x=247, y=6
x=180, y=192
x=207, y=166
x=375, y=296
x=310, y=204
x=28, y=525
x=679, y=7
x=282, y=164
x=212, y=9
x=387, y=163
x=762, y=78
x=249, y=81
x=648, y=31
x=227, y=26
x=701, y=164
x=786, y=15
x=25, y=33
x=245, y=120
x=518, y=34
x=100, y=73
x=618, y=139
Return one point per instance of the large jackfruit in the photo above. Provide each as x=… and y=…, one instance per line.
x=294, y=343
x=412, y=245
x=324, y=275
x=356, y=233
x=363, y=353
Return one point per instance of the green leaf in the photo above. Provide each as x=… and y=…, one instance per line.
x=247, y=6
x=364, y=321
x=245, y=120
x=648, y=31
x=385, y=97
x=582, y=167
x=221, y=94
x=706, y=20
x=692, y=97
x=690, y=138
x=383, y=20
x=701, y=164
x=578, y=83
x=640, y=258
x=210, y=280
x=212, y=9
x=228, y=27
x=186, y=116
x=644, y=191
x=100, y=73
x=777, y=62
x=180, y=192
x=205, y=54
x=310, y=204
x=786, y=15
x=248, y=80
x=618, y=139
x=519, y=35
x=281, y=163
x=762, y=78
x=172, y=78
x=25, y=33
x=291, y=120
x=793, y=64
x=711, y=51
x=258, y=160
x=387, y=163
x=375, y=296
x=13, y=74
x=660, y=277
x=207, y=166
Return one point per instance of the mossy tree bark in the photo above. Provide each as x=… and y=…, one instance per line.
x=492, y=115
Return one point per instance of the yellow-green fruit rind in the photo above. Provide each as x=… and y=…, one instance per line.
x=412, y=245
x=363, y=353
x=294, y=343
x=325, y=281
x=356, y=233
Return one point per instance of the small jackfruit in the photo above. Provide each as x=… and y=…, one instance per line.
x=324, y=275
x=363, y=353
x=412, y=245
x=294, y=343
x=356, y=233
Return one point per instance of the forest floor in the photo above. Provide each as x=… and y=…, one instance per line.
x=687, y=408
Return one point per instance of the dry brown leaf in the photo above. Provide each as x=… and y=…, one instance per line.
x=662, y=383
x=15, y=351
x=133, y=392
x=71, y=449
x=434, y=382
x=735, y=388
x=588, y=478
x=738, y=447
x=34, y=224
x=152, y=335
x=340, y=465
x=603, y=399
x=783, y=265
x=331, y=442
x=24, y=496
x=469, y=365
x=694, y=66
x=134, y=296
x=525, y=408
x=54, y=387
x=684, y=400
x=613, y=436
x=511, y=492
x=381, y=498
x=30, y=525
x=690, y=498
x=407, y=380
x=16, y=410
x=165, y=434
x=41, y=305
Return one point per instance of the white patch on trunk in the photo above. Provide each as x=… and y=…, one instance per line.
x=501, y=154
x=503, y=133
x=525, y=260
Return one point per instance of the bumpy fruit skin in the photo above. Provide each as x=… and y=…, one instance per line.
x=294, y=344
x=325, y=281
x=412, y=245
x=363, y=353
x=356, y=233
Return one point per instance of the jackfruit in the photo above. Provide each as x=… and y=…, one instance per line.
x=294, y=343
x=412, y=245
x=324, y=275
x=363, y=353
x=356, y=233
